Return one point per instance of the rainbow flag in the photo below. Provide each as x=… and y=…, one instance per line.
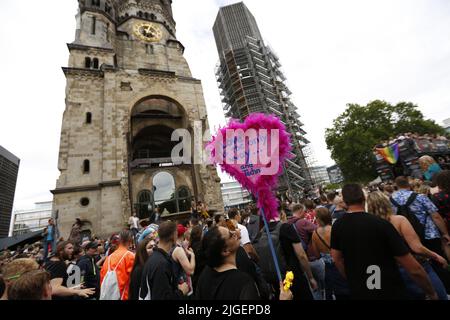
x=390, y=154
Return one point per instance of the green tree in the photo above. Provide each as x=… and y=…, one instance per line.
x=360, y=128
x=332, y=186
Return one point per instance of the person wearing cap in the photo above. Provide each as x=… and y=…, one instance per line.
x=90, y=272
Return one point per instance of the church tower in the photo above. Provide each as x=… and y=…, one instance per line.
x=128, y=88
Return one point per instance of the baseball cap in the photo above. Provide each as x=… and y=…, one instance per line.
x=91, y=245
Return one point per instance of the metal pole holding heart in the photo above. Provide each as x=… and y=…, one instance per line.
x=253, y=152
x=272, y=249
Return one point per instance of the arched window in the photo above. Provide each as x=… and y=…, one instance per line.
x=95, y=63
x=140, y=14
x=152, y=17
x=144, y=205
x=183, y=199
x=164, y=193
x=87, y=62
x=146, y=15
x=88, y=118
x=86, y=166
x=96, y=3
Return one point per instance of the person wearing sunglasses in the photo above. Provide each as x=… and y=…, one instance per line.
x=221, y=279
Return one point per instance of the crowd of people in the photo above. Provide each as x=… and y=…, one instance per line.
x=431, y=138
x=386, y=241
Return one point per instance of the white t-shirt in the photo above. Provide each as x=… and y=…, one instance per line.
x=244, y=234
x=133, y=222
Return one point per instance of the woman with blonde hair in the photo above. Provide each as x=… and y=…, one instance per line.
x=378, y=204
x=425, y=190
x=429, y=167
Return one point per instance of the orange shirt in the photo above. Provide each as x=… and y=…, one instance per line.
x=123, y=271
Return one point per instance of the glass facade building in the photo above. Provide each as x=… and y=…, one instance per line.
x=9, y=168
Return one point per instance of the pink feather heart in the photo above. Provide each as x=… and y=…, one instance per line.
x=256, y=161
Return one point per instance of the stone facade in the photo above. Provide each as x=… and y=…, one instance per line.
x=123, y=94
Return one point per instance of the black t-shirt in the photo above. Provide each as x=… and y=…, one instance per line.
x=288, y=236
x=228, y=285
x=58, y=269
x=365, y=241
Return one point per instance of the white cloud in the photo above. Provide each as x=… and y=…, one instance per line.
x=333, y=53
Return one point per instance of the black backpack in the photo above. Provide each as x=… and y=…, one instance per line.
x=405, y=211
x=266, y=262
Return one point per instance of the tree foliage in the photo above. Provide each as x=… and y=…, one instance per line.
x=360, y=128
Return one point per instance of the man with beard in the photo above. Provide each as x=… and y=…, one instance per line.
x=57, y=268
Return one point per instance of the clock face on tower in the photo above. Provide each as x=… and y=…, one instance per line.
x=147, y=31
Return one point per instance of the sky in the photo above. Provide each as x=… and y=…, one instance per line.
x=333, y=53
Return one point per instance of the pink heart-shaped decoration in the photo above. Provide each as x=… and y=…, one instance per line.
x=257, y=161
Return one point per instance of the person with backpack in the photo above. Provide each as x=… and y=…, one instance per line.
x=432, y=227
x=378, y=204
x=427, y=222
x=116, y=270
x=291, y=257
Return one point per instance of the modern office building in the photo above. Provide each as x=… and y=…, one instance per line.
x=9, y=168
x=250, y=80
x=320, y=175
x=234, y=196
x=31, y=220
